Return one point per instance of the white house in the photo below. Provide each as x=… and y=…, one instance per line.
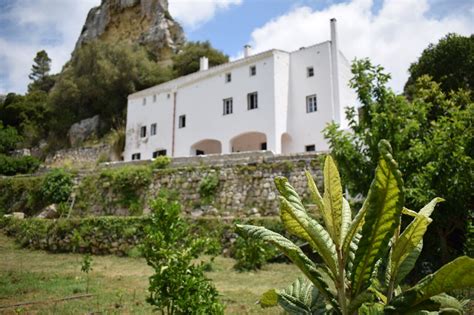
x=274, y=100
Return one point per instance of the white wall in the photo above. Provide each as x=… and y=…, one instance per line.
x=305, y=128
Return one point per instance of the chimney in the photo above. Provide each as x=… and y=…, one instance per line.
x=335, y=72
x=203, y=64
x=247, y=50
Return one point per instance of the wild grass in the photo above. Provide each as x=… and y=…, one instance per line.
x=119, y=285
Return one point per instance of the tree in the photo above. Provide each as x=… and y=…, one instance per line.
x=362, y=261
x=450, y=63
x=97, y=81
x=432, y=141
x=187, y=60
x=41, y=66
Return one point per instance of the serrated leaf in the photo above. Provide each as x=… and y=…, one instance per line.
x=346, y=218
x=371, y=309
x=295, y=254
x=428, y=209
x=407, y=242
x=409, y=212
x=332, y=199
x=300, y=224
x=354, y=229
x=384, y=205
x=316, y=197
x=407, y=265
x=457, y=274
x=301, y=297
x=438, y=303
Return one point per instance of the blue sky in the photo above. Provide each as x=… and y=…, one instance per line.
x=390, y=32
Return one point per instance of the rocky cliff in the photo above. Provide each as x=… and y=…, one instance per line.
x=146, y=22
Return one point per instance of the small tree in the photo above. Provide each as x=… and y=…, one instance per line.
x=187, y=60
x=365, y=258
x=41, y=66
x=178, y=285
x=86, y=267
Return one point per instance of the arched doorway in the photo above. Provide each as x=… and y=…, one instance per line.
x=249, y=141
x=207, y=146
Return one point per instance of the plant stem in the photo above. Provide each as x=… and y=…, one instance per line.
x=341, y=287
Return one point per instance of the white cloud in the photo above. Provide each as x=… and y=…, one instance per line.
x=193, y=13
x=52, y=25
x=394, y=36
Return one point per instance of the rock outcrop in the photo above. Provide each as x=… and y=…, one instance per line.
x=146, y=22
x=83, y=130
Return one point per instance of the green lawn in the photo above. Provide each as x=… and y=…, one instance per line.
x=118, y=284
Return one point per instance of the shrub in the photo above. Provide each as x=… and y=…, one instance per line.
x=22, y=194
x=178, y=285
x=251, y=254
x=364, y=259
x=18, y=165
x=57, y=186
x=161, y=162
x=208, y=186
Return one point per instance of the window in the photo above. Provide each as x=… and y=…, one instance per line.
x=143, y=131
x=310, y=148
x=153, y=129
x=136, y=156
x=227, y=106
x=311, y=103
x=199, y=152
x=144, y=101
x=263, y=146
x=253, y=70
x=154, y=98
x=310, y=72
x=252, y=100
x=228, y=77
x=182, y=121
x=159, y=153
x=168, y=95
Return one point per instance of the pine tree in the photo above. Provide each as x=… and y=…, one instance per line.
x=41, y=66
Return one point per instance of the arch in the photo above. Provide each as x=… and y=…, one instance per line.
x=249, y=141
x=206, y=146
x=285, y=143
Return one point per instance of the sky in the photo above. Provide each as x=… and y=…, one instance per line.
x=392, y=33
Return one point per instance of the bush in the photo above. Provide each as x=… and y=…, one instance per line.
x=161, y=162
x=18, y=165
x=22, y=194
x=208, y=186
x=57, y=186
x=251, y=254
x=364, y=259
x=178, y=285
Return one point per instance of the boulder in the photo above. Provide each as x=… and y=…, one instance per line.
x=18, y=215
x=50, y=212
x=83, y=130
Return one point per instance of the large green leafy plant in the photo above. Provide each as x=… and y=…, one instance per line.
x=364, y=258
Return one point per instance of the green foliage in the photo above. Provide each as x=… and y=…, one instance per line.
x=364, y=259
x=41, y=66
x=98, y=80
x=18, y=165
x=251, y=254
x=187, y=60
x=161, y=162
x=208, y=187
x=431, y=139
x=9, y=138
x=178, y=285
x=57, y=185
x=22, y=194
x=450, y=62
x=86, y=267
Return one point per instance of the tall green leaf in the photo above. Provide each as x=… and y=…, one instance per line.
x=333, y=199
x=407, y=242
x=353, y=230
x=408, y=263
x=300, y=224
x=428, y=209
x=295, y=254
x=457, y=274
x=317, y=199
x=384, y=205
x=346, y=218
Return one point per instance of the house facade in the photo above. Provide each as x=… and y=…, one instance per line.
x=274, y=100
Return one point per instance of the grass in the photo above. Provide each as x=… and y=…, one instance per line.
x=119, y=285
